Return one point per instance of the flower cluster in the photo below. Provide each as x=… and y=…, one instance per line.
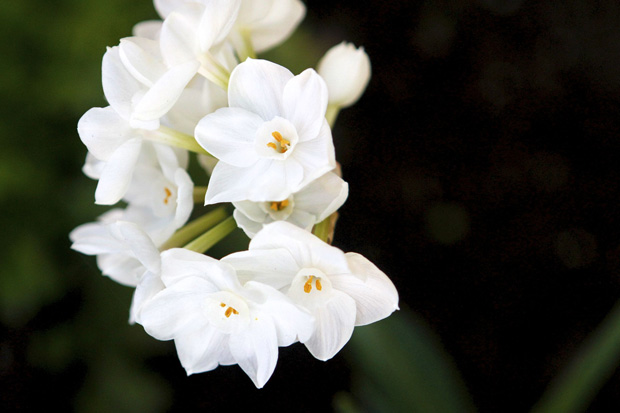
x=187, y=88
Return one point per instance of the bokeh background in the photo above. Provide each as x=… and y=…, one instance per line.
x=483, y=171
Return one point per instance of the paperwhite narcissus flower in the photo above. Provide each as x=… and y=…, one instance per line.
x=340, y=290
x=214, y=320
x=139, y=85
x=273, y=139
x=346, y=71
x=311, y=205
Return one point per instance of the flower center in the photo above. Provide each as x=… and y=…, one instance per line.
x=308, y=284
x=230, y=310
x=279, y=205
x=280, y=145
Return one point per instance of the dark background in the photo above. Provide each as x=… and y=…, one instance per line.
x=482, y=164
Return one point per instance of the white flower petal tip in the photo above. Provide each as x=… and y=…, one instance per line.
x=346, y=71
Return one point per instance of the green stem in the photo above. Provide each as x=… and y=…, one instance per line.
x=332, y=114
x=213, y=70
x=175, y=138
x=248, y=48
x=199, y=194
x=322, y=230
x=195, y=228
x=596, y=360
x=212, y=236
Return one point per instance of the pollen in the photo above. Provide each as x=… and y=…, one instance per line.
x=281, y=145
x=229, y=311
x=279, y=206
x=168, y=195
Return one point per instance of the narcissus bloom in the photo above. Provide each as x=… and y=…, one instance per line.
x=273, y=139
x=340, y=290
x=214, y=320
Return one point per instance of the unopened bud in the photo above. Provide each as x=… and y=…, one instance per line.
x=346, y=71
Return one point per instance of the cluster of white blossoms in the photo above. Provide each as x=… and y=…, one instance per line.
x=187, y=88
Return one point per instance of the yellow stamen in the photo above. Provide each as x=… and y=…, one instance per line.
x=279, y=206
x=283, y=143
x=222, y=305
x=230, y=311
x=308, y=285
x=168, y=195
x=318, y=284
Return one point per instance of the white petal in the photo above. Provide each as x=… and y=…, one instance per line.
x=103, y=130
x=165, y=7
x=116, y=174
x=141, y=59
x=256, y=350
x=123, y=268
x=307, y=250
x=149, y=29
x=201, y=350
x=179, y=37
x=373, y=292
x=305, y=103
x=229, y=134
x=275, y=27
x=317, y=156
x=248, y=226
x=274, y=267
x=323, y=196
x=179, y=263
x=292, y=322
x=229, y=183
x=149, y=285
x=252, y=210
x=160, y=98
x=217, y=19
x=93, y=238
x=119, y=86
x=139, y=243
x=176, y=310
x=258, y=86
x=334, y=321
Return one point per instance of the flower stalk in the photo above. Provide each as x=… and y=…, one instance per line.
x=199, y=194
x=176, y=139
x=195, y=228
x=207, y=240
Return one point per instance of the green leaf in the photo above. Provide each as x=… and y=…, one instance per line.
x=402, y=367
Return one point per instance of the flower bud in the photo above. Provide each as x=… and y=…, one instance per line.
x=346, y=71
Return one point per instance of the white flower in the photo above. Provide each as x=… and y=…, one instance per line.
x=346, y=71
x=139, y=85
x=311, y=205
x=340, y=290
x=214, y=320
x=273, y=139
